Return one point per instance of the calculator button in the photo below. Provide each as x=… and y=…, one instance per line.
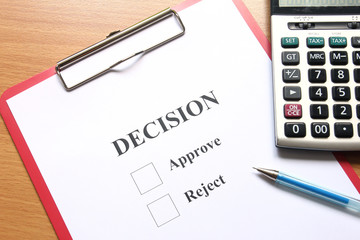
x=343, y=130
x=295, y=130
x=341, y=93
x=340, y=75
x=357, y=75
x=320, y=130
x=292, y=93
x=357, y=93
x=316, y=58
x=317, y=75
x=358, y=110
x=291, y=75
x=290, y=58
x=338, y=58
x=315, y=42
x=359, y=129
x=342, y=111
x=355, y=42
x=289, y=42
x=356, y=57
x=337, y=42
x=318, y=93
x=319, y=111
x=292, y=111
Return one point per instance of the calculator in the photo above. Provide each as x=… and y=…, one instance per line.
x=316, y=73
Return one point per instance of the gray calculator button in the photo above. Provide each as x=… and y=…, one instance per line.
x=318, y=93
x=357, y=75
x=290, y=58
x=338, y=58
x=342, y=111
x=320, y=130
x=356, y=57
x=291, y=75
x=357, y=93
x=295, y=130
x=343, y=130
x=316, y=58
x=341, y=93
x=319, y=111
x=292, y=93
x=317, y=75
x=355, y=42
x=340, y=75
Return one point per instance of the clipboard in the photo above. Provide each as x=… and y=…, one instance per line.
x=31, y=165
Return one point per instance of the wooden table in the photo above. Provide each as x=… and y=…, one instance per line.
x=34, y=35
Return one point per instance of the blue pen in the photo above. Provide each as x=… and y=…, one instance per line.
x=311, y=189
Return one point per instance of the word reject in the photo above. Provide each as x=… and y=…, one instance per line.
x=189, y=157
x=205, y=189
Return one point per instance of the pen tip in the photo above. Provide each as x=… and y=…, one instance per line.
x=268, y=172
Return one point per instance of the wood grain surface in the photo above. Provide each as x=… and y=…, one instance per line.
x=34, y=35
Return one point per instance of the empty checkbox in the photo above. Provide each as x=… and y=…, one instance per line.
x=146, y=178
x=163, y=210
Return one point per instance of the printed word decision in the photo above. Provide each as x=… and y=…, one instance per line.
x=165, y=123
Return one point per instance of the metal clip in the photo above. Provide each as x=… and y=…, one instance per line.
x=115, y=37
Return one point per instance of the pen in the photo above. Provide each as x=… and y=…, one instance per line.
x=311, y=189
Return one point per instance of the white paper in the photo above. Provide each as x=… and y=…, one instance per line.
x=141, y=194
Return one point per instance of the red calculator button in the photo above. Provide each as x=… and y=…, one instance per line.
x=293, y=111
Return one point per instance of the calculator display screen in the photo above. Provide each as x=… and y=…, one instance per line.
x=318, y=3
x=299, y=7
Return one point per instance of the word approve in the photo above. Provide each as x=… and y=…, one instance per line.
x=189, y=157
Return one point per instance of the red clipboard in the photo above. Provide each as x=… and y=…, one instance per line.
x=31, y=166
